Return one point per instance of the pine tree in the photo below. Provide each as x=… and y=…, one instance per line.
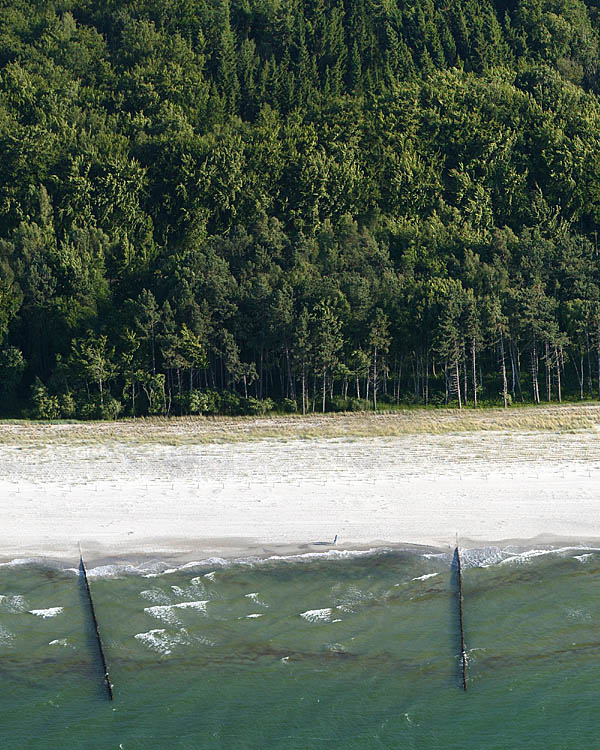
x=227, y=76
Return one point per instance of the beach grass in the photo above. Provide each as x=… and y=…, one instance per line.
x=198, y=430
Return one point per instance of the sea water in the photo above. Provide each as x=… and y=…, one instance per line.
x=350, y=650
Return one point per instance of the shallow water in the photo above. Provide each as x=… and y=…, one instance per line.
x=360, y=650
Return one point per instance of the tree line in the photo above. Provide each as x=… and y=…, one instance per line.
x=234, y=206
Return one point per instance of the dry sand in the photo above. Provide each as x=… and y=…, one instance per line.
x=164, y=489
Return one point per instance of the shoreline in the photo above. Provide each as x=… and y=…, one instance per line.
x=177, y=554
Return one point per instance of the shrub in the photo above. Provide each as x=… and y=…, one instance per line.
x=96, y=409
x=197, y=402
x=67, y=405
x=229, y=403
x=259, y=406
x=45, y=406
x=288, y=406
x=111, y=408
x=12, y=366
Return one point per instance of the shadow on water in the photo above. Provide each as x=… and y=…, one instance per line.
x=91, y=637
x=456, y=634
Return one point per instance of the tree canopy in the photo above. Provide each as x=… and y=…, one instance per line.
x=227, y=206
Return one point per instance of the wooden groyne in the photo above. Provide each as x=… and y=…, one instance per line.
x=463, y=651
x=83, y=572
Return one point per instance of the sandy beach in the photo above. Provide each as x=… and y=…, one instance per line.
x=124, y=496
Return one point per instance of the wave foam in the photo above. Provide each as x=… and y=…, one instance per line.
x=481, y=557
x=332, y=554
x=348, y=598
x=254, y=596
x=23, y=561
x=166, y=613
x=6, y=638
x=12, y=603
x=45, y=613
x=523, y=557
x=161, y=641
x=200, y=605
x=163, y=612
x=196, y=587
x=318, y=615
x=156, y=595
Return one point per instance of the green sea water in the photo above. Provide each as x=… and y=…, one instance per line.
x=334, y=649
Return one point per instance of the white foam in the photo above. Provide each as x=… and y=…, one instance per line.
x=252, y=616
x=196, y=587
x=6, y=638
x=425, y=577
x=580, y=615
x=332, y=554
x=253, y=596
x=111, y=571
x=200, y=605
x=486, y=557
x=482, y=557
x=162, y=641
x=347, y=599
x=157, y=568
x=163, y=612
x=19, y=561
x=45, y=613
x=156, y=595
x=318, y=615
x=209, y=562
x=12, y=603
x=58, y=642
x=523, y=557
x=583, y=558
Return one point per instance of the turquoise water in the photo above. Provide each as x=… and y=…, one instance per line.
x=356, y=651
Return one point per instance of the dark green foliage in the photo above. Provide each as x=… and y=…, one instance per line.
x=237, y=206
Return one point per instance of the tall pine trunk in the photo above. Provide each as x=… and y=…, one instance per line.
x=503, y=368
x=474, y=370
x=457, y=378
x=375, y=379
x=558, y=384
x=303, y=388
x=534, y=373
x=548, y=374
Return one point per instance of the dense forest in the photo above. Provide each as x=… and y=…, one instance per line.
x=233, y=206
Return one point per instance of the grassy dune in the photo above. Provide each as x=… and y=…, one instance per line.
x=189, y=430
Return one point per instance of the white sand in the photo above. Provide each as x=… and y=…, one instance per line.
x=199, y=500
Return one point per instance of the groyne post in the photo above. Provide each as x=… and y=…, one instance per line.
x=463, y=651
x=83, y=572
